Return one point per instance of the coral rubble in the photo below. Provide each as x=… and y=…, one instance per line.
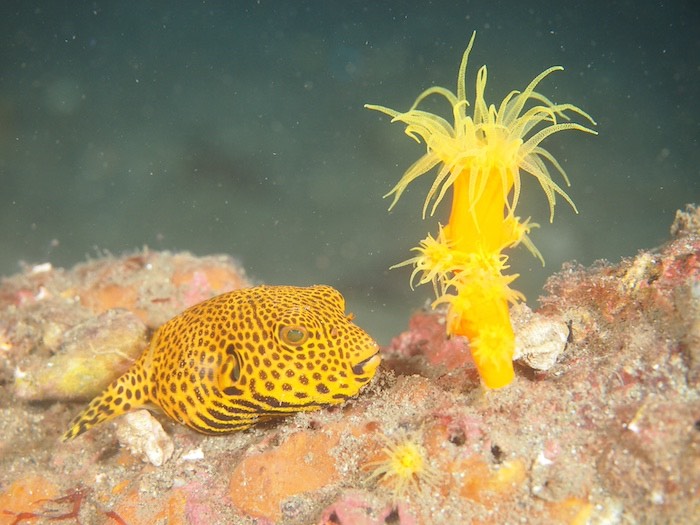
x=607, y=430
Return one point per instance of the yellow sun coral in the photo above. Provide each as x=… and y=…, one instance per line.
x=403, y=466
x=481, y=158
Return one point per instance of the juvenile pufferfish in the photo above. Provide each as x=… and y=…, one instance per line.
x=244, y=357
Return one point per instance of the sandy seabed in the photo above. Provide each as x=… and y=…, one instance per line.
x=601, y=425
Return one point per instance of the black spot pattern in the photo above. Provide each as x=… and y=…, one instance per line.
x=221, y=365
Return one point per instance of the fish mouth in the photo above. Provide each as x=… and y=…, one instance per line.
x=369, y=365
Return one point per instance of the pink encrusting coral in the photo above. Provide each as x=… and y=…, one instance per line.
x=481, y=157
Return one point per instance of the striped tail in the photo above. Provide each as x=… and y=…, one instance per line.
x=129, y=391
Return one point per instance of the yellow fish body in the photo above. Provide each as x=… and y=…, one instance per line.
x=244, y=357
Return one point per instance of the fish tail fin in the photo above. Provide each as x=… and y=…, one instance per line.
x=129, y=391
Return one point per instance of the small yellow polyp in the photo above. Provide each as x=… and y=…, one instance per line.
x=493, y=342
x=481, y=157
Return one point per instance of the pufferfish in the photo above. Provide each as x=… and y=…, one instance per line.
x=244, y=357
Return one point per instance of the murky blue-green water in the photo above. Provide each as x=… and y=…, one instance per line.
x=238, y=127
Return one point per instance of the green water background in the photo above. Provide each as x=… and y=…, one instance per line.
x=238, y=128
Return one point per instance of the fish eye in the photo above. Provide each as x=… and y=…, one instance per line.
x=294, y=335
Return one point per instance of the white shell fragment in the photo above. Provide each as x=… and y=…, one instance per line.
x=143, y=435
x=193, y=455
x=539, y=340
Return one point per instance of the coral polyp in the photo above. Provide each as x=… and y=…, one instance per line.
x=403, y=466
x=481, y=157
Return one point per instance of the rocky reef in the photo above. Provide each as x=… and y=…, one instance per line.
x=600, y=425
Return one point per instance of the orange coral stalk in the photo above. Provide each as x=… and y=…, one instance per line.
x=481, y=157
